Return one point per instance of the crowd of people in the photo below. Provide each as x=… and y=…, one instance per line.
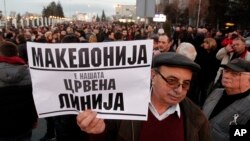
x=200, y=83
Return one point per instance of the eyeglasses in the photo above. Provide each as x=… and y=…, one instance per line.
x=174, y=82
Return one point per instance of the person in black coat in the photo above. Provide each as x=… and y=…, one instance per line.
x=206, y=58
x=18, y=113
x=22, y=47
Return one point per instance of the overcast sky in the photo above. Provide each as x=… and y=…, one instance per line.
x=70, y=7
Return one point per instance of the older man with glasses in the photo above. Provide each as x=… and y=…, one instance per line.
x=237, y=49
x=171, y=116
x=230, y=105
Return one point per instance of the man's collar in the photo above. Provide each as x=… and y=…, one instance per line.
x=169, y=111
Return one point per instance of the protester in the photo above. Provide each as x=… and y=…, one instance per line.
x=156, y=50
x=229, y=39
x=124, y=35
x=175, y=36
x=187, y=49
x=18, y=113
x=164, y=43
x=230, y=105
x=237, y=49
x=22, y=47
x=110, y=36
x=206, y=58
x=171, y=116
x=92, y=38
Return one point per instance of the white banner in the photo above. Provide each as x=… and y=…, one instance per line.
x=111, y=78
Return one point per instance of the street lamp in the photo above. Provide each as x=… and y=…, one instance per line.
x=198, y=15
x=1, y=15
x=5, y=12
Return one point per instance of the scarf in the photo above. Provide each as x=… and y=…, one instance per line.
x=12, y=60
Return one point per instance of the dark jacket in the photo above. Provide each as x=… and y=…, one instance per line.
x=196, y=126
x=18, y=114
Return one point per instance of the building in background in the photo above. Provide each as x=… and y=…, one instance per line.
x=126, y=12
x=80, y=16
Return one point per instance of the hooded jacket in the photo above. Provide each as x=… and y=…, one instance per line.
x=18, y=114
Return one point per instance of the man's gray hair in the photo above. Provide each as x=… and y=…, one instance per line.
x=187, y=49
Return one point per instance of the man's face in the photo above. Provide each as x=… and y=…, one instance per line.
x=235, y=81
x=112, y=35
x=124, y=33
x=163, y=43
x=170, y=85
x=150, y=29
x=238, y=46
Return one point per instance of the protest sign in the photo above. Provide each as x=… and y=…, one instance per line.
x=111, y=78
